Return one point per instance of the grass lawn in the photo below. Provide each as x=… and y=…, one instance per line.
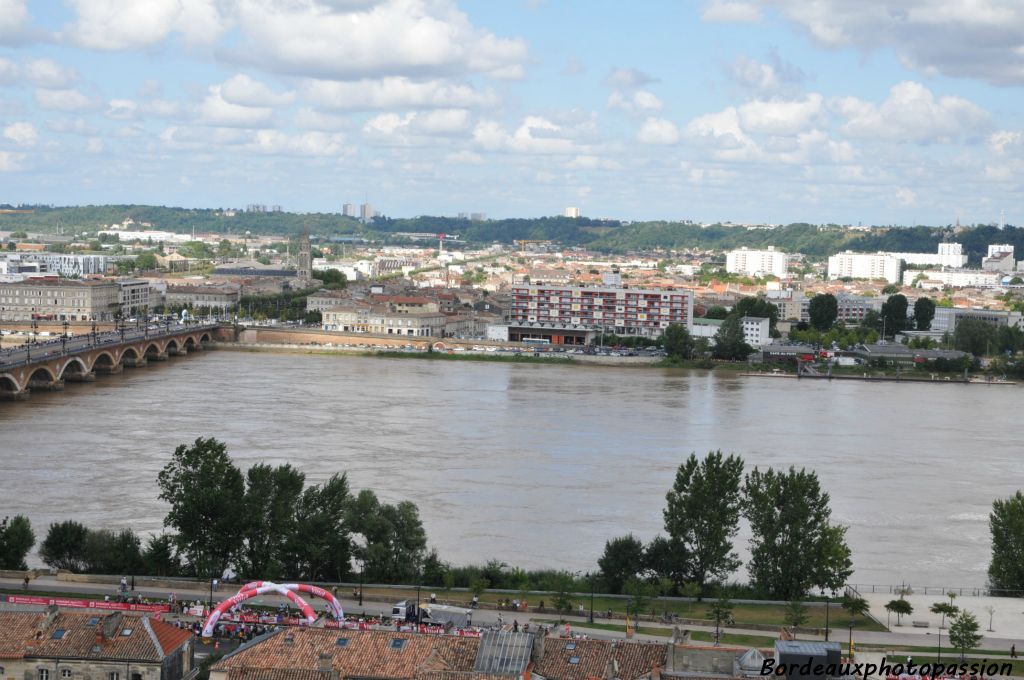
x=613, y=627
x=734, y=639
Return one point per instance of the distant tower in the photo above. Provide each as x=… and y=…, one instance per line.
x=1002, y=220
x=304, y=265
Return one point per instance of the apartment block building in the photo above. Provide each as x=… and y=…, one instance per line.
x=853, y=265
x=221, y=298
x=757, y=262
x=384, y=320
x=559, y=313
x=60, y=299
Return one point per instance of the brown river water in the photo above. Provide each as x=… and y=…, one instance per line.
x=535, y=465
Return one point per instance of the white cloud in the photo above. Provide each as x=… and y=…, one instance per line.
x=354, y=40
x=311, y=119
x=906, y=196
x=768, y=77
x=9, y=71
x=1004, y=140
x=10, y=161
x=658, y=131
x=981, y=39
x=737, y=11
x=74, y=126
x=396, y=93
x=22, y=133
x=416, y=127
x=639, y=102
x=136, y=24
x=47, y=73
x=95, y=146
x=215, y=110
x=719, y=130
x=244, y=91
x=535, y=135
x=14, y=20
x=121, y=109
x=277, y=143
x=779, y=117
x=65, y=100
x=628, y=78
x=913, y=113
x=463, y=158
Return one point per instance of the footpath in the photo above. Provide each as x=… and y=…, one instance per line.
x=1008, y=620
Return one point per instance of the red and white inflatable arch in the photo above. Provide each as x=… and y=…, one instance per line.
x=315, y=591
x=243, y=595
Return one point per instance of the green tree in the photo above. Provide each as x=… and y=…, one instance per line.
x=855, y=606
x=894, y=314
x=479, y=585
x=900, y=608
x=562, y=588
x=677, y=341
x=823, y=310
x=145, y=262
x=159, y=557
x=702, y=515
x=640, y=593
x=759, y=307
x=271, y=500
x=946, y=609
x=205, y=491
x=110, y=552
x=974, y=336
x=318, y=546
x=795, y=614
x=890, y=289
x=729, y=341
x=720, y=611
x=963, y=633
x=793, y=544
x=332, y=278
x=393, y=535
x=1006, y=526
x=924, y=312
x=622, y=560
x=666, y=558
x=16, y=540
x=64, y=546
x=716, y=312
x=872, y=320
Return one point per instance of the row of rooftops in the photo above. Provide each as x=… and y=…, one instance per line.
x=326, y=654
x=87, y=635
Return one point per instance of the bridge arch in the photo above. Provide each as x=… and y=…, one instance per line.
x=155, y=350
x=104, y=361
x=189, y=344
x=9, y=384
x=171, y=344
x=73, y=365
x=205, y=337
x=41, y=374
x=243, y=595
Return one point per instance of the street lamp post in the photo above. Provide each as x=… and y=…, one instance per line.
x=827, y=599
x=213, y=584
x=851, y=639
x=361, y=567
x=590, y=577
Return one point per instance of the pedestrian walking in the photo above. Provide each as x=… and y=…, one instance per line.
x=1013, y=651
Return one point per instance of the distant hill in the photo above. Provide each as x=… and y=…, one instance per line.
x=607, y=235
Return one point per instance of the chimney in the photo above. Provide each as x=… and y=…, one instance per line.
x=325, y=663
x=111, y=625
x=538, y=646
x=656, y=672
x=289, y=640
x=609, y=669
x=47, y=621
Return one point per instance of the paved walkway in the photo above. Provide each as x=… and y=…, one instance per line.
x=1008, y=620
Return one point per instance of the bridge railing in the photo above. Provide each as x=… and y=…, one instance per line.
x=105, y=339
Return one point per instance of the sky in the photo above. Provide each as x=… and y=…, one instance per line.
x=846, y=111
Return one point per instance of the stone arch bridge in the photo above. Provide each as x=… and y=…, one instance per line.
x=79, y=358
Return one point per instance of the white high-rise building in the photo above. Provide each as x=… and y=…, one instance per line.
x=572, y=211
x=997, y=248
x=864, y=266
x=948, y=255
x=757, y=262
x=348, y=210
x=366, y=212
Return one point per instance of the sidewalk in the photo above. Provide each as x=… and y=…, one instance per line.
x=1008, y=622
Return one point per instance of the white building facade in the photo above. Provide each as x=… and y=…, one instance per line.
x=853, y=265
x=757, y=262
x=756, y=331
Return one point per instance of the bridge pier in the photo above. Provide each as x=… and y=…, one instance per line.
x=7, y=395
x=46, y=385
x=80, y=377
x=107, y=370
x=177, y=352
x=159, y=356
x=129, y=362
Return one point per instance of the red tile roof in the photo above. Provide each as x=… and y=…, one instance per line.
x=566, y=659
x=37, y=634
x=366, y=654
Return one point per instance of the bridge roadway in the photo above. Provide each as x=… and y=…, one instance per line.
x=78, y=358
